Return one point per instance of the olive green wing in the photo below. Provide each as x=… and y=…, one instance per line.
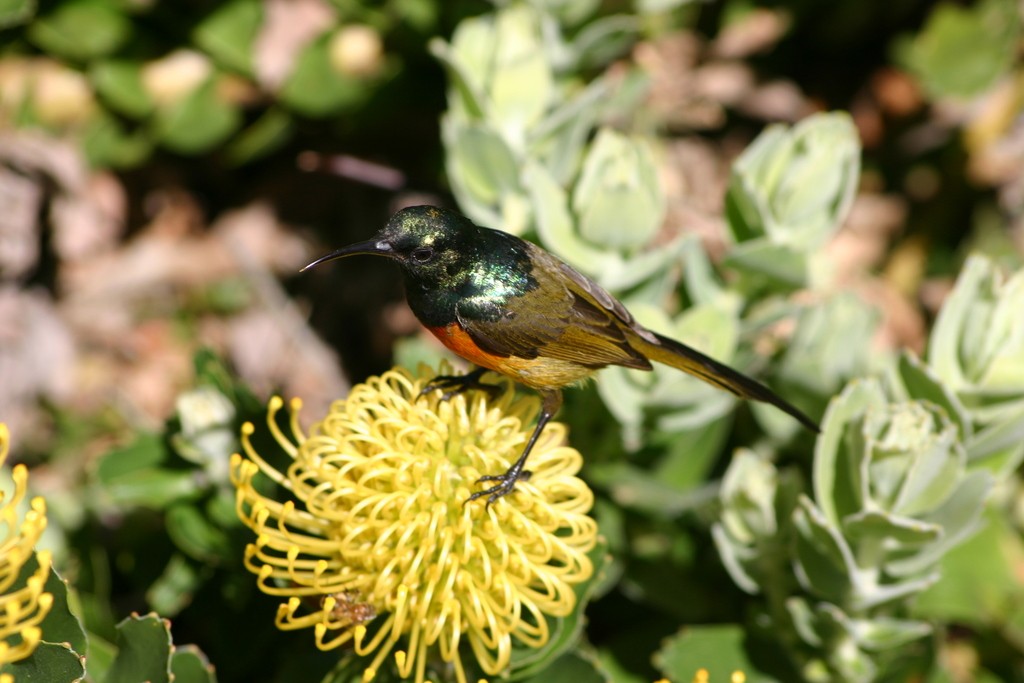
x=565, y=316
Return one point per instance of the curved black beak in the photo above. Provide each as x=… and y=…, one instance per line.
x=378, y=247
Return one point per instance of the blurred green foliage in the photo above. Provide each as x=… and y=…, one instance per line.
x=127, y=78
x=734, y=540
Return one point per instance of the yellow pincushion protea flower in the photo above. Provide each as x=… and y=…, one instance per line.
x=21, y=609
x=378, y=530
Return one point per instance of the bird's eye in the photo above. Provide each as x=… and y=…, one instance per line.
x=422, y=254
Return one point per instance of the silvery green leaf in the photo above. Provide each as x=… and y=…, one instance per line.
x=823, y=561
x=602, y=40
x=778, y=264
x=918, y=381
x=521, y=84
x=883, y=633
x=804, y=621
x=558, y=140
x=555, y=225
x=795, y=186
x=845, y=658
x=748, y=497
x=831, y=344
x=870, y=594
x=469, y=58
x=959, y=517
x=874, y=526
x=736, y=557
x=556, y=229
x=702, y=283
x=999, y=447
x=618, y=197
x=837, y=473
x=977, y=344
x=912, y=457
x=480, y=162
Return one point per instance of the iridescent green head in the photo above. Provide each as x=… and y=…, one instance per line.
x=428, y=242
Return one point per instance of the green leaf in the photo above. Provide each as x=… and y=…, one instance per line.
x=875, y=526
x=147, y=451
x=837, y=471
x=825, y=564
x=107, y=143
x=317, y=89
x=119, y=83
x=198, y=122
x=794, y=186
x=980, y=583
x=922, y=383
x=143, y=651
x=265, y=135
x=154, y=489
x=961, y=51
x=173, y=590
x=481, y=162
x=81, y=30
x=521, y=83
x=959, y=516
x=190, y=665
x=193, y=533
x=61, y=625
x=831, y=345
x=565, y=631
x=717, y=649
x=14, y=12
x=48, y=663
x=227, y=34
x=100, y=658
x=572, y=666
x=778, y=264
x=618, y=198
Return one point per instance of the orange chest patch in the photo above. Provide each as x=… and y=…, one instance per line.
x=540, y=372
x=456, y=339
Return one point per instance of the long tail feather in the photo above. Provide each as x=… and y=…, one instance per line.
x=678, y=355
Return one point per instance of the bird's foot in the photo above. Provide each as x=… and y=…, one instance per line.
x=453, y=385
x=506, y=484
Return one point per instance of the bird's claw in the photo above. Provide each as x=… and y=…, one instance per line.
x=506, y=484
x=453, y=385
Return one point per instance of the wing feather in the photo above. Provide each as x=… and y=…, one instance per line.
x=567, y=317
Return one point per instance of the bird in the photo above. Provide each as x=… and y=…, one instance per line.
x=508, y=306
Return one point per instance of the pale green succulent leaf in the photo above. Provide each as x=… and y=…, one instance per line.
x=831, y=344
x=883, y=633
x=558, y=140
x=823, y=561
x=778, y=264
x=481, y=161
x=555, y=225
x=602, y=40
x=961, y=51
x=618, y=198
x=877, y=526
x=921, y=382
x=959, y=517
x=804, y=621
x=999, y=447
x=795, y=186
x=945, y=343
x=466, y=100
x=748, y=497
x=521, y=86
x=702, y=283
x=837, y=474
x=736, y=557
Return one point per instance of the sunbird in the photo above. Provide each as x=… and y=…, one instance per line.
x=506, y=305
